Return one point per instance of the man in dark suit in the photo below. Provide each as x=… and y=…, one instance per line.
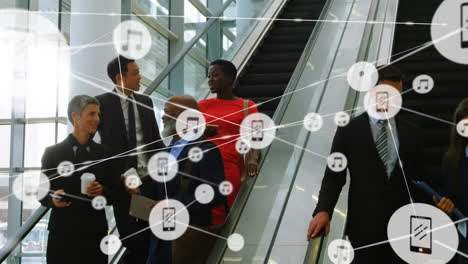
x=194, y=246
x=379, y=185
x=75, y=227
x=128, y=125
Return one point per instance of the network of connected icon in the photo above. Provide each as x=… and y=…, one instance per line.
x=418, y=233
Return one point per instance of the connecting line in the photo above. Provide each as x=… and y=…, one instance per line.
x=408, y=23
x=428, y=44
x=158, y=99
x=401, y=163
x=159, y=222
x=383, y=242
x=428, y=116
x=201, y=230
x=299, y=147
x=217, y=146
x=88, y=45
x=198, y=179
x=450, y=248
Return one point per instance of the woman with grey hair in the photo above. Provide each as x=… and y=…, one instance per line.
x=77, y=223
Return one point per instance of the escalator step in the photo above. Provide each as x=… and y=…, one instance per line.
x=276, y=47
x=262, y=90
x=269, y=57
x=272, y=67
x=266, y=78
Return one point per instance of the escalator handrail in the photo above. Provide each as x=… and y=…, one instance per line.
x=314, y=249
x=185, y=50
x=22, y=232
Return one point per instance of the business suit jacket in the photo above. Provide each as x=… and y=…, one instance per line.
x=372, y=197
x=209, y=169
x=112, y=127
x=113, y=132
x=76, y=231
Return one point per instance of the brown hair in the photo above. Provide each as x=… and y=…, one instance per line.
x=457, y=142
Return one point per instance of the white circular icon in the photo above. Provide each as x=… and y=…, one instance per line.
x=313, y=122
x=362, y=76
x=162, y=167
x=337, y=162
x=342, y=119
x=235, y=242
x=132, y=39
x=462, y=128
x=226, y=188
x=423, y=84
x=242, y=146
x=258, y=130
x=65, y=168
x=449, y=30
x=169, y=219
x=190, y=124
x=29, y=44
x=383, y=102
x=340, y=251
x=195, y=154
x=30, y=188
x=132, y=181
x=99, y=202
x=204, y=193
x=110, y=244
x=419, y=233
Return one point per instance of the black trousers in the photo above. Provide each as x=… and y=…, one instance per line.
x=75, y=247
x=134, y=240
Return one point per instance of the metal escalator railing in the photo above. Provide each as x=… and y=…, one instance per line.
x=22, y=232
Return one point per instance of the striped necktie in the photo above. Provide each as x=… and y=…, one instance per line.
x=381, y=143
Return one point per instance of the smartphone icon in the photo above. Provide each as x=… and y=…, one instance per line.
x=382, y=101
x=464, y=25
x=257, y=127
x=421, y=234
x=169, y=219
x=163, y=164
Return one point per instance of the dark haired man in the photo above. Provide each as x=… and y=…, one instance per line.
x=377, y=181
x=128, y=125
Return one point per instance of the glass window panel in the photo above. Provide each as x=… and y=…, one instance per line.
x=7, y=3
x=193, y=20
x=62, y=132
x=49, y=7
x=157, y=58
x=158, y=8
x=5, y=132
x=4, y=178
x=5, y=103
x=194, y=75
x=38, y=137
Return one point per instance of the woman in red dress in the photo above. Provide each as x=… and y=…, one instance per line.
x=231, y=110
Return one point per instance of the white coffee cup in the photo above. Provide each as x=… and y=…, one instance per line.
x=86, y=179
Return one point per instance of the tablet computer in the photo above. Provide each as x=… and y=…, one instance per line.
x=140, y=207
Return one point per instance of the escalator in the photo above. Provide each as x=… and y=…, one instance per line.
x=449, y=79
x=269, y=71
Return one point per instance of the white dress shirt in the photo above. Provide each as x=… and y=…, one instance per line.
x=141, y=158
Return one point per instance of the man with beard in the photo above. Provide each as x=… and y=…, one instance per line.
x=193, y=246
